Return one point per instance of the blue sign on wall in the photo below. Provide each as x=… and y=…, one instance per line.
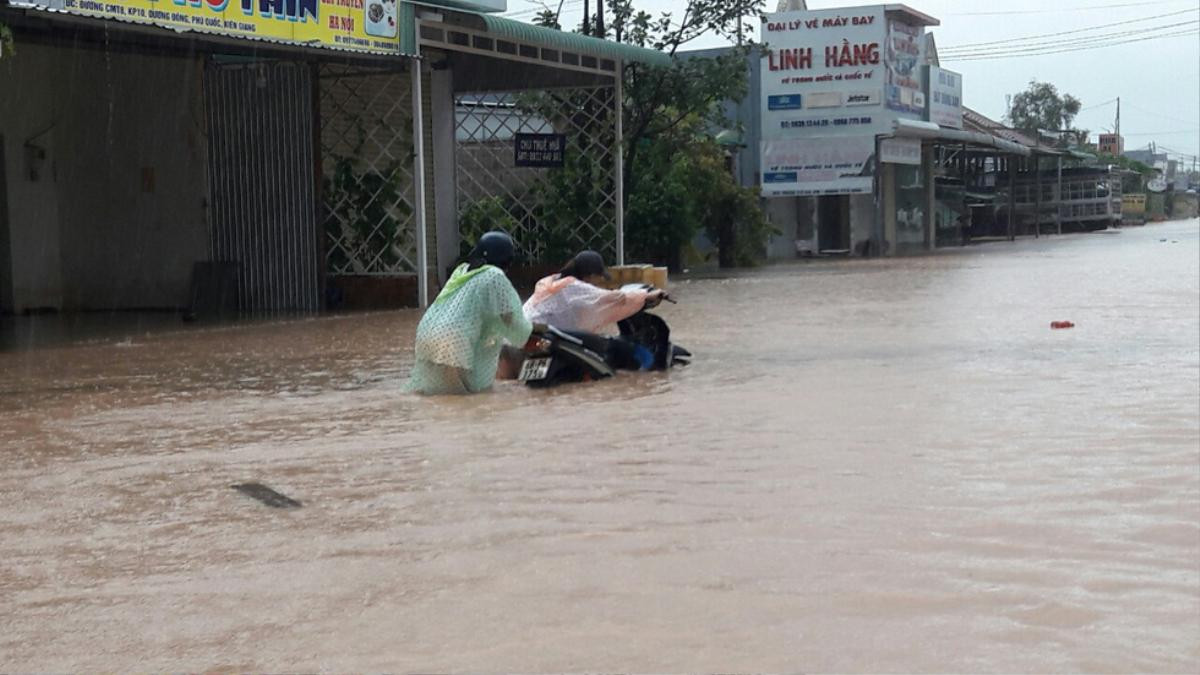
x=780, y=177
x=783, y=102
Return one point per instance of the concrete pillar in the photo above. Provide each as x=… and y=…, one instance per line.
x=6, y=298
x=927, y=174
x=419, y=186
x=1012, y=195
x=445, y=168
x=888, y=188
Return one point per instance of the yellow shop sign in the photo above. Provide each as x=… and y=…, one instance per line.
x=360, y=25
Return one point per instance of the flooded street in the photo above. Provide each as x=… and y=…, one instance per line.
x=882, y=465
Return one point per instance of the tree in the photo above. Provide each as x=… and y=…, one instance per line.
x=668, y=113
x=1041, y=107
x=1080, y=137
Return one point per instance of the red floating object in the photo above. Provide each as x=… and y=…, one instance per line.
x=1061, y=324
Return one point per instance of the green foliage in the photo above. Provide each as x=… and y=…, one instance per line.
x=1126, y=163
x=732, y=216
x=694, y=191
x=570, y=195
x=1041, y=107
x=365, y=209
x=8, y=46
x=480, y=216
x=1129, y=183
x=674, y=175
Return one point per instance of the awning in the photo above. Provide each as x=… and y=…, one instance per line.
x=915, y=129
x=516, y=33
x=557, y=39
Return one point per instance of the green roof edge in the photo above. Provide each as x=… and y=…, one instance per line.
x=575, y=42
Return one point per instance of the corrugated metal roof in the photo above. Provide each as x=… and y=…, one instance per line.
x=557, y=39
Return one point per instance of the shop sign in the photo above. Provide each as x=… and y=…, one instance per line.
x=943, y=104
x=359, y=25
x=900, y=151
x=817, y=166
x=903, y=91
x=539, y=150
x=822, y=58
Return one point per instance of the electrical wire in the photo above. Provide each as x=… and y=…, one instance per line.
x=1026, y=38
x=1063, y=9
x=1158, y=114
x=1097, y=105
x=1165, y=133
x=1100, y=39
x=993, y=56
x=528, y=12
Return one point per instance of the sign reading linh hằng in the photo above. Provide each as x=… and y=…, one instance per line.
x=832, y=80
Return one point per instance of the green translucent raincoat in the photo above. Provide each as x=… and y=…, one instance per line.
x=460, y=336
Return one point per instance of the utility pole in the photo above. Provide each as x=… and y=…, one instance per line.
x=587, y=24
x=1120, y=141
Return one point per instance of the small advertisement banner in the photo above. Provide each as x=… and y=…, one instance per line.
x=944, y=101
x=539, y=150
x=903, y=91
x=785, y=102
x=817, y=166
x=358, y=25
x=900, y=151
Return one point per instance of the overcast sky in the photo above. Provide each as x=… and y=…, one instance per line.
x=1158, y=80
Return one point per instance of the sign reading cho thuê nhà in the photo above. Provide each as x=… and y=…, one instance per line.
x=539, y=150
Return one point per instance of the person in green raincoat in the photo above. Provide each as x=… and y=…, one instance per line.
x=460, y=337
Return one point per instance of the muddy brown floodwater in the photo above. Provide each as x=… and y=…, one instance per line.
x=871, y=466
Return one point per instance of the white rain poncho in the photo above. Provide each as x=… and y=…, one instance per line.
x=460, y=336
x=572, y=304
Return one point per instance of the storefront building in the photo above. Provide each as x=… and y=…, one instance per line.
x=278, y=155
x=833, y=84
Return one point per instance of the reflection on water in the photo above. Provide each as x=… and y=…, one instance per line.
x=873, y=465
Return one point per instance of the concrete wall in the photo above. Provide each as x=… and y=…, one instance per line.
x=115, y=215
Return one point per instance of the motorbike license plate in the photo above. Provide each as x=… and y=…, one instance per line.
x=534, y=369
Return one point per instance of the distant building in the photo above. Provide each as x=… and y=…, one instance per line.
x=1111, y=144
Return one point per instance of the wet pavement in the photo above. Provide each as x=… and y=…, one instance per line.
x=882, y=465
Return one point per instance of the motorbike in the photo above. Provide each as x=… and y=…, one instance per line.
x=555, y=356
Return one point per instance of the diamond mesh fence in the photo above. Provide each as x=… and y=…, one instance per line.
x=367, y=164
x=552, y=212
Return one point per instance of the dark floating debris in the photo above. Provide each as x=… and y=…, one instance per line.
x=267, y=496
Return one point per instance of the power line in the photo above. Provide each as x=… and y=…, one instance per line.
x=538, y=10
x=992, y=56
x=1158, y=114
x=1166, y=133
x=1069, y=42
x=1097, y=105
x=1058, y=10
x=1067, y=32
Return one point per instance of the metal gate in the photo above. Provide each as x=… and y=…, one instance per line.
x=261, y=179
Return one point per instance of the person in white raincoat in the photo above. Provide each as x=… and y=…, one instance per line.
x=460, y=337
x=571, y=299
